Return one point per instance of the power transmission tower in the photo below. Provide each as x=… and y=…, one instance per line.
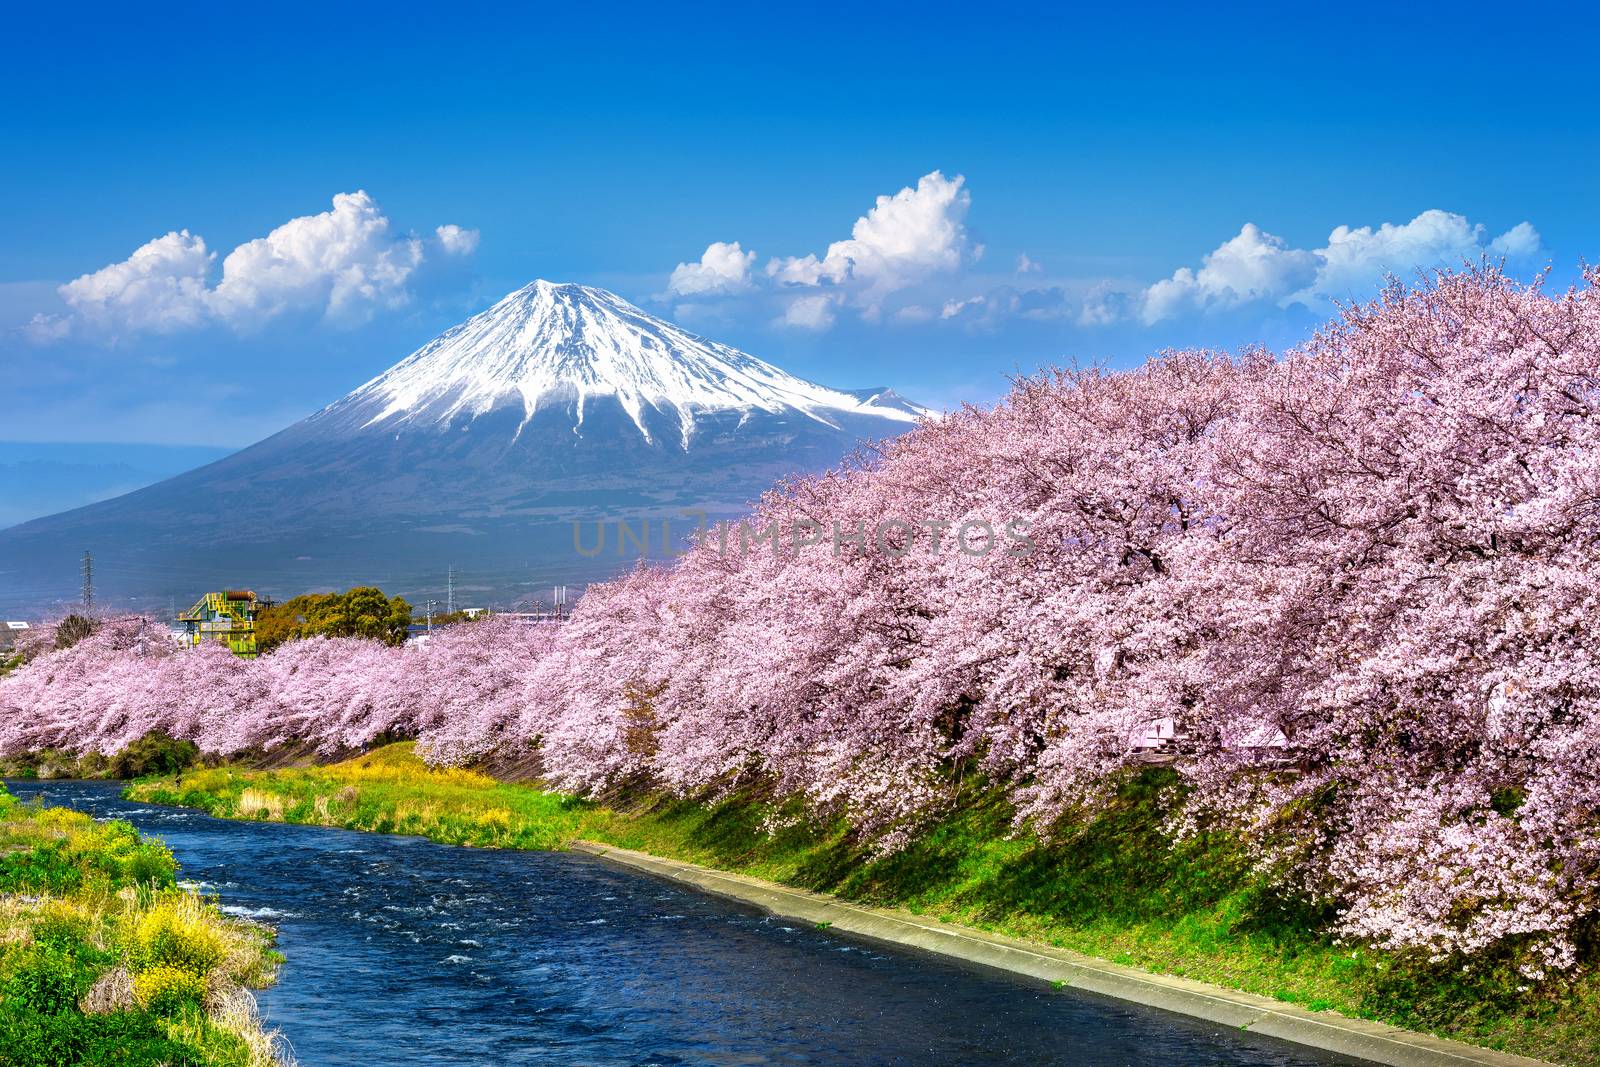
x=88, y=582
x=450, y=591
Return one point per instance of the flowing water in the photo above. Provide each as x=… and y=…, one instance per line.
x=408, y=953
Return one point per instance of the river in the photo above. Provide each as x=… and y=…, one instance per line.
x=407, y=953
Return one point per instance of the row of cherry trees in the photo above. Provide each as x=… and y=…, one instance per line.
x=1358, y=579
x=334, y=695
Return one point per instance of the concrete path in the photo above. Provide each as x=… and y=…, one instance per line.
x=1332, y=1032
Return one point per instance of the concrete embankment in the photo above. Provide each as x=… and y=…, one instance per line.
x=1328, y=1031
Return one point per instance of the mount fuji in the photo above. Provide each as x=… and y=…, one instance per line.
x=559, y=405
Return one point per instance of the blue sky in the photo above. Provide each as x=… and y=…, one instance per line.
x=1115, y=149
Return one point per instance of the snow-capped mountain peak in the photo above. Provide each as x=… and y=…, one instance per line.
x=488, y=447
x=564, y=346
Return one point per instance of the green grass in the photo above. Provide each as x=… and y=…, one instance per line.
x=387, y=791
x=76, y=896
x=1113, y=887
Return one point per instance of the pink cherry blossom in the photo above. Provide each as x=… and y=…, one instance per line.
x=1354, y=584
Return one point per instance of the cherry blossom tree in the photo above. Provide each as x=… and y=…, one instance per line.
x=1352, y=587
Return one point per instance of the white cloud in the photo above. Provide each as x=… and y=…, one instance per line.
x=1106, y=303
x=1520, y=243
x=724, y=268
x=343, y=262
x=456, y=240
x=914, y=313
x=911, y=260
x=793, y=271
x=45, y=329
x=953, y=308
x=342, y=265
x=809, y=312
x=160, y=288
x=1251, y=266
x=1256, y=266
x=1356, y=260
x=904, y=240
x=991, y=310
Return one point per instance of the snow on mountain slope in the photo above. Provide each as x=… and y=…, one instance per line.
x=883, y=401
x=550, y=344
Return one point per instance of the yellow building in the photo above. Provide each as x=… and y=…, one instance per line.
x=228, y=618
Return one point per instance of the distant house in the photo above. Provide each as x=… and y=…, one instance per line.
x=1159, y=739
x=9, y=632
x=228, y=618
x=532, y=618
x=1156, y=734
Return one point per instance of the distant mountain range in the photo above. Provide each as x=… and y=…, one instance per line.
x=40, y=478
x=561, y=404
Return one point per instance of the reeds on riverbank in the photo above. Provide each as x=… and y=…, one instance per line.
x=105, y=960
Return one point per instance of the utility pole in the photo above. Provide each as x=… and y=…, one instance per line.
x=450, y=591
x=88, y=582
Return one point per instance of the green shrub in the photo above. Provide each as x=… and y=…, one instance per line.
x=48, y=980
x=45, y=868
x=164, y=990
x=156, y=753
x=67, y=1039
x=60, y=927
x=176, y=934
x=74, y=628
x=55, y=1009
x=116, y=851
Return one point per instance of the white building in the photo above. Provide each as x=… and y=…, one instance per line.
x=9, y=632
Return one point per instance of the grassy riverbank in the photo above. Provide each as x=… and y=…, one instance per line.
x=104, y=960
x=1114, y=887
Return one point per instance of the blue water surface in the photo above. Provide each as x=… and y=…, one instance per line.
x=404, y=952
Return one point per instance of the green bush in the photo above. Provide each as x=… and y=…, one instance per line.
x=115, y=849
x=164, y=990
x=45, y=868
x=360, y=612
x=155, y=753
x=176, y=935
x=70, y=1039
x=50, y=963
x=74, y=628
x=111, y=853
x=61, y=928
x=48, y=980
